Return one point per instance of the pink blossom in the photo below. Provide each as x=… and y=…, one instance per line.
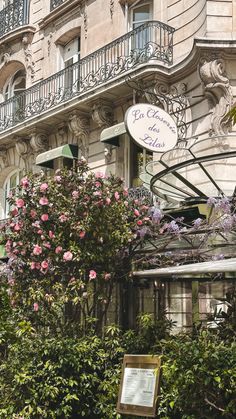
x=107, y=276
x=51, y=234
x=97, y=193
x=44, y=217
x=20, y=203
x=47, y=245
x=25, y=182
x=92, y=274
x=33, y=265
x=58, y=250
x=108, y=201
x=82, y=234
x=36, y=307
x=125, y=192
x=14, y=212
x=37, y=250
x=43, y=187
x=67, y=256
x=126, y=203
x=139, y=222
x=57, y=179
x=42, y=237
x=99, y=175
x=117, y=196
x=33, y=213
x=97, y=184
x=63, y=218
x=17, y=227
x=43, y=200
x=39, y=231
x=136, y=213
x=75, y=194
x=44, y=264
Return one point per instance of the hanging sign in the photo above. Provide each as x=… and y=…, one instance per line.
x=151, y=127
x=139, y=385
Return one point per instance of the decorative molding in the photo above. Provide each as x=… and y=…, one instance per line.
x=84, y=12
x=22, y=147
x=29, y=63
x=38, y=141
x=102, y=113
x=112, y=7
x=218, y=91
x=4, y=159
x=108, y=153
x=5, y=54
x=61, y=134
x=79, y=126
x=49, y=43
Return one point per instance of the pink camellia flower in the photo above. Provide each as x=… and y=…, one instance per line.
x=33, y=213
x=44, y=217
x=126, y=203
x=136, y=213
x=39, y=231
x=20, y=203
x=51, y=234
x=33, y=265
x=68, y=256
x=75, y=194
x=139, y=222
x=14, y=212
x=82, y=234
x=108, y=200
x=58, y=250
x=17, y=227
x=125, y=192
x=44, y=264
x=43, y=187
x=43, y=200
x=37, y=250
x=99, y=175
x=97, y=184
x=25, y=182
x=47, y=245
x=117, y=196
x=107, y=276
x=63, y=218
x=57, y=179
x=36, y=307
x=92, y=274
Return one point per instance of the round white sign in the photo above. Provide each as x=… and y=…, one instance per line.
x=151, y=127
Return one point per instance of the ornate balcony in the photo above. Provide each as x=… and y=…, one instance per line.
x=55, y=3
x=149, y=43
x=13, y=16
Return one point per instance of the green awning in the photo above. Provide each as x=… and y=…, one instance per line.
x=111, y=135
x=68, y=151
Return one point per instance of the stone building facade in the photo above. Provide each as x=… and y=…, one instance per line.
x=69, y=69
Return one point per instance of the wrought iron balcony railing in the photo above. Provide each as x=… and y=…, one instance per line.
x=150, y=42
x=55, y=3
x=13, y=16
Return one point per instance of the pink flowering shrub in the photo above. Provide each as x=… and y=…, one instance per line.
x=67, y=237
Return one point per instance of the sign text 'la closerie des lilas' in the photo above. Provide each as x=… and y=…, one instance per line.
x=151, y=127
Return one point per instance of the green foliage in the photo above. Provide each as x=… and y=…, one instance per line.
x=198, y=377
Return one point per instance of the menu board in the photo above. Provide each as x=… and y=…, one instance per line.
x=139, y=385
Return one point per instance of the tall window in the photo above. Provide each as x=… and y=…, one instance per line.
x=13, y=89
x=70, y=56
x=140, y=13
x=11, y=183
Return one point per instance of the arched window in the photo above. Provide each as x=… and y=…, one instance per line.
x=15, y=85
x=10, y=184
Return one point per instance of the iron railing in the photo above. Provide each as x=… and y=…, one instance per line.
x=13, y=16
x=149, y=42
x=55, y=3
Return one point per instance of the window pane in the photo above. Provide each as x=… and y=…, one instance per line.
x=141, y=14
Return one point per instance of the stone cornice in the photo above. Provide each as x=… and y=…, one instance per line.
x=17, y=33
x=59, y=11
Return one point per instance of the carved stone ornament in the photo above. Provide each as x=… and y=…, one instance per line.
x=112, y=6
x=218, y=92
x=38, y=141
x=5, y=54
x=22, y=147
x=4, y=160
x=79, y=126
x=102, y=113
x=29, y=63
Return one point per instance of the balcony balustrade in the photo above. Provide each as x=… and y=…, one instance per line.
x=55, y=3
x=150, y=42
x=13, y=16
